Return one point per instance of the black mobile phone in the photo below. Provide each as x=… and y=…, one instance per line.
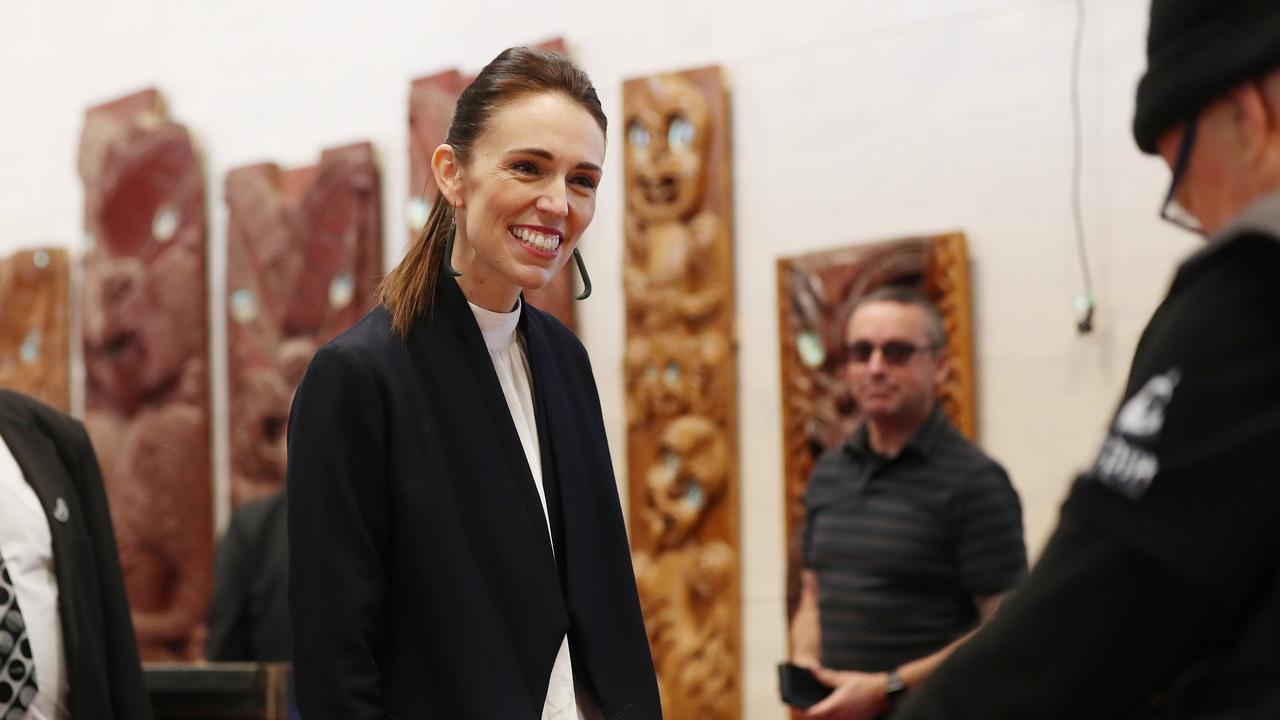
x=799, y=687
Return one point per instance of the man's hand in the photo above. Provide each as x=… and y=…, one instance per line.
x=857, y=695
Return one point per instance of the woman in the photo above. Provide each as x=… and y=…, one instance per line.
x=456, y=544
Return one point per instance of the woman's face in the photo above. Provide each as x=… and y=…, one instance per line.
x=524, y=197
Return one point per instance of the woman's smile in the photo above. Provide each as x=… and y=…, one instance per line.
x=541, y=241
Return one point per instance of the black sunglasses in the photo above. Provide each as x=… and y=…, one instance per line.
x=894, y=352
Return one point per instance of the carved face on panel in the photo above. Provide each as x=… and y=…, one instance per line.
x=333, y=213
x=258, y=437
x=141, y=323
x=144, y=280
x=666, y=149
x=687, y=476
x=671, y=374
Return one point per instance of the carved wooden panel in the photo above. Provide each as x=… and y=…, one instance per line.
x=304, y=257
x=816, y=293
x=34, y=353
x=681, y=381
x=431, y=103
x=145, y=345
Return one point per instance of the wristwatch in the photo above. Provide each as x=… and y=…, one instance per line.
x=895, y=687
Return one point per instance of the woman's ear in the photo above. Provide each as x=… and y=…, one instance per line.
x=447, y=169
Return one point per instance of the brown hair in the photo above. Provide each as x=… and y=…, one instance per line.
x=407, y=290
x=934, y=328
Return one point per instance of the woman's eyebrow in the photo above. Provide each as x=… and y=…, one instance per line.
x=546, y=155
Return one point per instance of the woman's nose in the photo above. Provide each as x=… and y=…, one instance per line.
x=554, y=199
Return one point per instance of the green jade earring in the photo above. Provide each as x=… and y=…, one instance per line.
x=577, y=258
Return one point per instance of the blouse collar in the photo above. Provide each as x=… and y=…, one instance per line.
x=498, y=329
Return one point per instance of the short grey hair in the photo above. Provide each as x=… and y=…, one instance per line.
x=934, y=328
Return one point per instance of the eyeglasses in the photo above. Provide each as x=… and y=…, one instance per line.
x=894, y=352
x=1171, y=211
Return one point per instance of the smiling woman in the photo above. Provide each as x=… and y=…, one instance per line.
x=531, y=118
x=520, y=209
x=456, y=542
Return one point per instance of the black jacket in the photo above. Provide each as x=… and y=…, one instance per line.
x=249, y=611
x=1158, y=594
x=103, y=671
x=422, y=581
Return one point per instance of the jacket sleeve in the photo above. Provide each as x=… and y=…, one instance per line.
x=338, y=538
x=124, y=668
x=229, y=631
x=1096, y=630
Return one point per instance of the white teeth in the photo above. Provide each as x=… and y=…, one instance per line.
x=537, y=239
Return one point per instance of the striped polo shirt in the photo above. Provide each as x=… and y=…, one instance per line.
x=902, y=546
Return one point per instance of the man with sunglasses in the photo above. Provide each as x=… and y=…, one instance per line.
x=912, y=534
x=1158, y=594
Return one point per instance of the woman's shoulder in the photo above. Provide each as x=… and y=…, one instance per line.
x=370, y=337
x=370, y=344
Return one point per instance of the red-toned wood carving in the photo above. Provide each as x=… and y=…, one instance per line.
x=34, y=354
x=816, y=293
x=680, y=373
x=431, y=103
x=145, y=346
x=304, y=257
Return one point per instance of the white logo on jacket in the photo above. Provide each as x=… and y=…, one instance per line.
x=1127, y=463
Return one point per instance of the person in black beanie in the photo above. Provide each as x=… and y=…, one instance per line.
x=1158, y=595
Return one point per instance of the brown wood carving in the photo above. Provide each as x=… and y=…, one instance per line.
x=431, y=103
x=815, y=296
x=681, y=381
x=304, y=257
x=34, y=351
x=145, y=346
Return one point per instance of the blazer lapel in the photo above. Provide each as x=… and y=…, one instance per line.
x=542, y=365
x=44, y=471
x=453, y=304
x=558, y=438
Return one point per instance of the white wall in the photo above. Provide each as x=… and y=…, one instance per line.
x=853, y=120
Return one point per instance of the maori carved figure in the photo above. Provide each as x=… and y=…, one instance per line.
x=34, y=292
x=676, y=248
x=681, y=580
x=669, y=374
x=681, y=388
x=145, y=344
x=816, y=294
x=431, y=103
x=304, y=259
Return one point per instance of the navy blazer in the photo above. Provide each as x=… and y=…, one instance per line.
x=421, y=577
x=104, y=675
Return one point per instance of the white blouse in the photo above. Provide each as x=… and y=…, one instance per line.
x=512, y=368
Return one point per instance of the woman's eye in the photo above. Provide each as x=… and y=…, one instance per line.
x=527, y=168
x=585, y=181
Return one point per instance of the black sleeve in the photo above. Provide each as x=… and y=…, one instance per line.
x=129, y=697
x=990, y=553
x=338, y=538
x=1188, y=471
x=1095, y=631
x=230, y=634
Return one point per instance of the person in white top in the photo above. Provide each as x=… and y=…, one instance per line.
x=67, y=648
x=456, y=541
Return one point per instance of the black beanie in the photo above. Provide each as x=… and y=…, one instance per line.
x=1196, y=51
